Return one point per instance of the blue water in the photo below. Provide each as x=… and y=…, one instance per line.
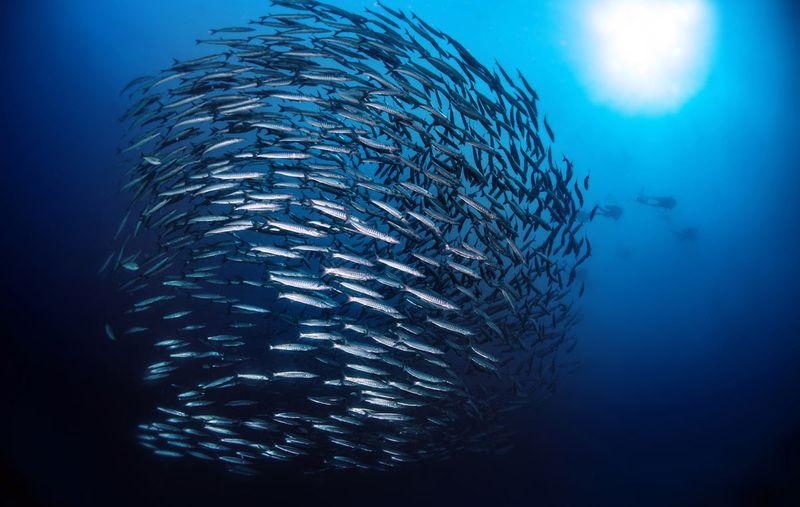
x=687, y=391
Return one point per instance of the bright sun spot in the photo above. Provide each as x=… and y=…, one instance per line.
x=648, y=56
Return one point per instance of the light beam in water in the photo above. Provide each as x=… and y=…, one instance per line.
x=648, y=56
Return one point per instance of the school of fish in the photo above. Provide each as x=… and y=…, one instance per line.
x=348, y=245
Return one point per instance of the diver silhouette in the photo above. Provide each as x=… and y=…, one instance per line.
x=611, y=211
x=686, y=234
x=667, y=202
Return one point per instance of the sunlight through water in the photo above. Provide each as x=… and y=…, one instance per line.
x=647, y=56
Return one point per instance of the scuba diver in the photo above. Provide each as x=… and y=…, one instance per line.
x=687, y=234
x=611, y=211
x=657, y=202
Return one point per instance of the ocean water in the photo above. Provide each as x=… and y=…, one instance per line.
x=686, y=391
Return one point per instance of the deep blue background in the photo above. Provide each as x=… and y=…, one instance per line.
x=688, y=391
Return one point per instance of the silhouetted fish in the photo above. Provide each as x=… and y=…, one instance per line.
x=354, y=250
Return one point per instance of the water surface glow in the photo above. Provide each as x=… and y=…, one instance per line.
x=647, y=56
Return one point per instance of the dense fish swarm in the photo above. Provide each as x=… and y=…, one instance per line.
x=348, y=244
